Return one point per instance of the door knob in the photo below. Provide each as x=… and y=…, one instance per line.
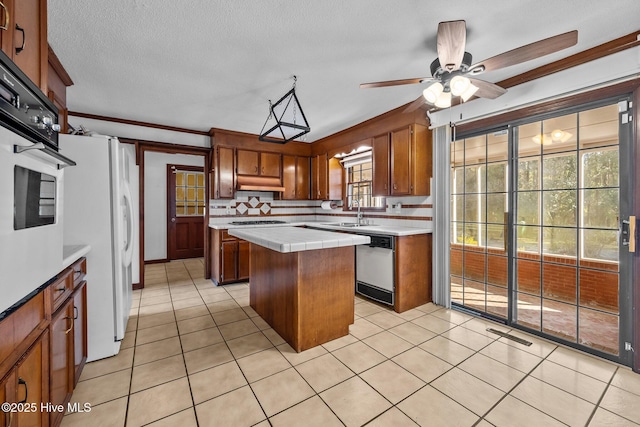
x=173, y=220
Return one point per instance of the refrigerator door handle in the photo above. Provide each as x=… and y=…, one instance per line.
x=128, y=226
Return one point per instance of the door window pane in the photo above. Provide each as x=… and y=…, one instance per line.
x=600, y=244
x=600, y=208
x=600, y=168
x=528, y=174
x=528, y=145
x=559, y=241
x=560, y=134
x=190, y=198
x=559, y=207
x=560, y=172
x=599, y=330
x=560, y=319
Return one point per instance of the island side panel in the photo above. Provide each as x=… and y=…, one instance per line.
x=326, y=289
x=272, y=289
x=413, y=271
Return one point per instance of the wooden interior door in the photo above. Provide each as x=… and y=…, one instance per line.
x=185, y=211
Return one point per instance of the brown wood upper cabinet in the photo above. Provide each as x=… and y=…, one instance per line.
x=320, y=177
x=25, y=39
x=326, y=178
x=258, y=163
x=402, y=162
x=295, y=177
x=223, y=173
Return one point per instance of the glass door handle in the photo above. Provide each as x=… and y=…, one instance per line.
x=629, y=235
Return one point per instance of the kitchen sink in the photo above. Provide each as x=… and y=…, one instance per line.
x=349, y=224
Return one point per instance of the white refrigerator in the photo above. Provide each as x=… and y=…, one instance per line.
x=99, y=210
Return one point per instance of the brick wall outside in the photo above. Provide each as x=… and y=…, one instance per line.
x=598, y=279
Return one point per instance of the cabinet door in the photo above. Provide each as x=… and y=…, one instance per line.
x=30, y=384
x=8, y=394
x=320, y=177
x=79, y=330
x=270, y=164
x=335, y=175
x=302, y=179
x=248, y=162
x=30, y=41
x=289, y=177
x=61, y=358
x=228, y=252
x=243, y=259
x=225, y=173
x=401, y=161
x=380, y=155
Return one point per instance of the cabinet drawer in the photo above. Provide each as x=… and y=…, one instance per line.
x=79, y=269
x=61, y=289
x=18, y=325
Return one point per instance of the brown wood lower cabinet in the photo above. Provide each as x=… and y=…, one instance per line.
x=62, y=368
x=413, y=271
x=79, y=330
x=43, y=347
x=229, y=258
x=27, y=385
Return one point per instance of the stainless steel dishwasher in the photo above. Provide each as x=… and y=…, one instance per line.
x=375, y=269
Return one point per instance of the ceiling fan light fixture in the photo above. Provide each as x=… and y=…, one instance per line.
x=432, y=93
x=471, y=90
x=559, y=135
x=444, y=100
x=459, y=84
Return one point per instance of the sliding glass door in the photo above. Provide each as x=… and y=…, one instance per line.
x=479, y=202
x=545, y=254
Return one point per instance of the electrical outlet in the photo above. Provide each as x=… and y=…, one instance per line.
x=627, y=346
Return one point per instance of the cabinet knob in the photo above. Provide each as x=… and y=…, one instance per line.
x=395, y=187
x=255, y=169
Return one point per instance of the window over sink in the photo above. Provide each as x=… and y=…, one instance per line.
x=359, y=187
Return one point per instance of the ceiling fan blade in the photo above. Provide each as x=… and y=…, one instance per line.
x=419, y=102
x=527, y=52
x=394, y=82
x=487, y=90
x=452, y=38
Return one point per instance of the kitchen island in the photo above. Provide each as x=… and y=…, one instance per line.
x=303, y=281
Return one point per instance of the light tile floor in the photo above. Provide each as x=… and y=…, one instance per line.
x=198, y=355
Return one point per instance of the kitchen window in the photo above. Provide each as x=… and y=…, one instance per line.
x=359, y=187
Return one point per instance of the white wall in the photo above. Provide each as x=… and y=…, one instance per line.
x=155, y=199
x=140, y=132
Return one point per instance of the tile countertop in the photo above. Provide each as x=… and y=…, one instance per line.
x=71, y=253
x=390, y=230
x=296, y=239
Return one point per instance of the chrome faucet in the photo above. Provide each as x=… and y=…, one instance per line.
x=360, y=216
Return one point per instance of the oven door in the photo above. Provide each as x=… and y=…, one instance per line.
x=31, y=256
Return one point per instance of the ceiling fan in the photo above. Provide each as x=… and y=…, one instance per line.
x=453, y=73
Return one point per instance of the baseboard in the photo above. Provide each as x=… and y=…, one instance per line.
x=137, y=286
x=156, y=261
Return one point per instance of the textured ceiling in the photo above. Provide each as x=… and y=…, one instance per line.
x=203, y=63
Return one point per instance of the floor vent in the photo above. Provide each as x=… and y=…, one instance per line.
x=509, y=336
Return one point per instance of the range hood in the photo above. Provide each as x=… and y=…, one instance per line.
x=259, y=183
